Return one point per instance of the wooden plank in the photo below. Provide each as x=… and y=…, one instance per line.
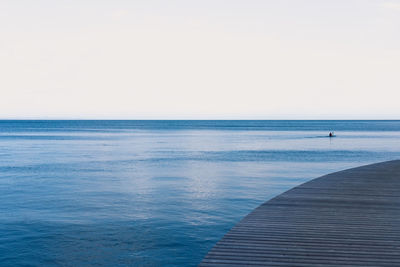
x=347, y=218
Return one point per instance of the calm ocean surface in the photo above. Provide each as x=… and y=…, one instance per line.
x=158, y=193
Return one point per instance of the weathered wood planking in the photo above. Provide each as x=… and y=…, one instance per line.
x=347, y=218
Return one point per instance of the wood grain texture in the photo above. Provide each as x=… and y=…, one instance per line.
x=347, y=218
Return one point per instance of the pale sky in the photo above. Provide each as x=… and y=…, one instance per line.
x=204, y=59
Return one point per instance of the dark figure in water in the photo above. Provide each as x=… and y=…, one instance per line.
x=330, y=134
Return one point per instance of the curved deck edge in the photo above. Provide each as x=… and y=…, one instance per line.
x=346, y=218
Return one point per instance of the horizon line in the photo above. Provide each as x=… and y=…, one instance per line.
x=199, y=119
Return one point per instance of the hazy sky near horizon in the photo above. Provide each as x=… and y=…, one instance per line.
x=200, y=59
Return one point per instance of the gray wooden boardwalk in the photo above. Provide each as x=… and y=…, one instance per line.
x=347, y=218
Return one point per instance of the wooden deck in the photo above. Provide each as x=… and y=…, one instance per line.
x=347, y=218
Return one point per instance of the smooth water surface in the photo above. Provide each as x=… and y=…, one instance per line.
x=158, y=193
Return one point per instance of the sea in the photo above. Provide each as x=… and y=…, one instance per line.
x=158, y=193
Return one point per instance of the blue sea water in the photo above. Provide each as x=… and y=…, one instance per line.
x=158, y=193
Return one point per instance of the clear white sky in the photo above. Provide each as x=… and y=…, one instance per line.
x=200, y=59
